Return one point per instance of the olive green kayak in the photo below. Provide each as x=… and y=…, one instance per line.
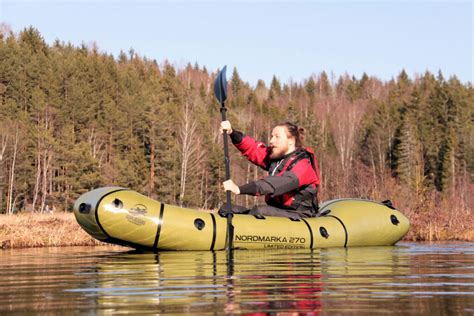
x=125, y=217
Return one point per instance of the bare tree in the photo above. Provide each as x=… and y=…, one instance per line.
x=188, y=148
x=4, y=142
x=347, y=116
x=97, y=145
x=12, y=173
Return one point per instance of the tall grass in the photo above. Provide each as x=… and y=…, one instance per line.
x=43, y=230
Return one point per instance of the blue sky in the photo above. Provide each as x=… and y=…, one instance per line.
x=289, y=39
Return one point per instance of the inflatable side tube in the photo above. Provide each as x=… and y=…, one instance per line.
x=368, y=223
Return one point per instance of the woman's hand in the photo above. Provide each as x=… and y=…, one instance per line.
x=229, y=185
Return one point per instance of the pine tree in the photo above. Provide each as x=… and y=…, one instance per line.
x=310, y=88
x=406, y=150
x=237, y=96
x=275, y=88
x=236, y=82
x=324, y=86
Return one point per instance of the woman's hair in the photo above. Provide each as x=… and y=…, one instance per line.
x=294, y=131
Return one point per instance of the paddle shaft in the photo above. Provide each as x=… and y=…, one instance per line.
x=230, y=227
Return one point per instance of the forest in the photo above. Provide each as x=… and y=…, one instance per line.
x=76, y=118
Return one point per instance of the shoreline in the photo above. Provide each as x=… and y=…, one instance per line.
x=31, y=230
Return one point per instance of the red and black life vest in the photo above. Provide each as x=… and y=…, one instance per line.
x=302, y=198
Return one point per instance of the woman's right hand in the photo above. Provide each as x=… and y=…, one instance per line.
x=225, y=125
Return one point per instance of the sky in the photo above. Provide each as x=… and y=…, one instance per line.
x=292, y=40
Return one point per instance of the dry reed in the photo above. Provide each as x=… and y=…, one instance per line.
x=43, y=230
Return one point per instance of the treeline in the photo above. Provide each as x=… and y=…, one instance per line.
x=74, y=118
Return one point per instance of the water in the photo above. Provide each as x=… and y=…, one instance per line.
x=410, y=278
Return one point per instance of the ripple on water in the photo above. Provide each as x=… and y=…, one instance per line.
x=409, y=278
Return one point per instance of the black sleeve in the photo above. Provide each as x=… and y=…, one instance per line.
x=285, y=183
x=249, y=188
x=236, y=137
x=274, y=185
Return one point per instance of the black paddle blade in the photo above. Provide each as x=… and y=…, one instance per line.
x=220, y=86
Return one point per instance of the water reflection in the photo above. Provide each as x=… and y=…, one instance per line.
x=411, y=278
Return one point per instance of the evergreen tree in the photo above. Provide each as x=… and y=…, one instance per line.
x=310, y=88
x=237, y=89
x=275, y=88
x=324, y=86
x=236, y=82
x=406, y=150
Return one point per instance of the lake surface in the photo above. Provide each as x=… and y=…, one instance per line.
x=410, y=278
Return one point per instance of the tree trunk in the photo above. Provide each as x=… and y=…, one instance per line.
x=12, y=174
x=188, y=148
x=44, y=180
x=151, y=179
x=453, y=174
x=201, y=188
x=374, y=170
x=2, y=169
x=66, y=197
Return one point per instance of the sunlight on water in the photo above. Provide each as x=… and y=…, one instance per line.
x=408, y=278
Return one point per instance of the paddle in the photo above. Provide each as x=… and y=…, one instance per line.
x=220, y=91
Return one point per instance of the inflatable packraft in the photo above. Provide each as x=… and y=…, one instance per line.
x=125, y=217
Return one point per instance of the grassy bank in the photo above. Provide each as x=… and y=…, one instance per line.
x=440, y=226
x=43, y=230
x=61, y=229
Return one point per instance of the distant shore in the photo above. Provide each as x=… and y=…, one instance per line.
x=61, y=230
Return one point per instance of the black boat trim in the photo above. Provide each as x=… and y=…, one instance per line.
x=310, y=233
x=213, y=231
x=343, y=226
x=158, y=229
x=96, y=213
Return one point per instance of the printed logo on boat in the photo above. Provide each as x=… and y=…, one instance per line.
x=138, y=209
x=275, y=242
x=135, y=214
